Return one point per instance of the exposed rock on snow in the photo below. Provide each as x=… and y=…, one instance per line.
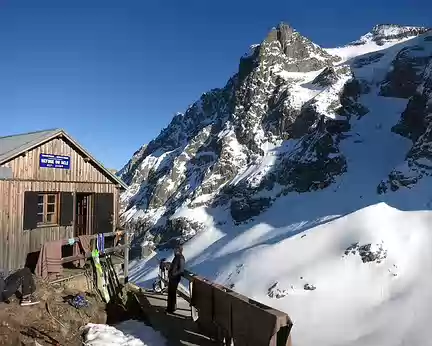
x=177, y=230
x=415, y=124
x=233, y=276
x=326, y=78
x=275, y=292
x=406, y=72
x=367, y=252
x=244, y=209
x=309, y=287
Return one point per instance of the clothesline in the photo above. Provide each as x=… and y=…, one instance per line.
x=94, y=236
x=89, y=254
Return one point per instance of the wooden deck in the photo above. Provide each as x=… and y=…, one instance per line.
x=178, y=328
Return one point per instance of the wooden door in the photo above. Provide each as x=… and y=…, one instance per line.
x=82, y=218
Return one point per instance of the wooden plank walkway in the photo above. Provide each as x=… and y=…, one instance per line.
x=178, y=328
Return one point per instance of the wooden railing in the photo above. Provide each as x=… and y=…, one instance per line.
x=181, y=290
x=281, y=336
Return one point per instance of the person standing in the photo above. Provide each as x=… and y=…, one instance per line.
x=175, y=273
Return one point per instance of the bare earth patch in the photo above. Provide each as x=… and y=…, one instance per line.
x=52, y=322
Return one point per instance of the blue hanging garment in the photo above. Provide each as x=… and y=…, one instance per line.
x=98, y=244
x=101, y=243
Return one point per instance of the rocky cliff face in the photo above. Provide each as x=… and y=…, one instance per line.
x=415, y=124
x=277, y=127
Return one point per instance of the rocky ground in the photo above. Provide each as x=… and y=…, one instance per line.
x=53, y=322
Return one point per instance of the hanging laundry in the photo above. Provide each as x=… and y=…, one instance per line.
x=83, y=246
x=101, y=243
x=49, y=261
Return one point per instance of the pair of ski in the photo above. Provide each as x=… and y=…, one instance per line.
x=106, y=278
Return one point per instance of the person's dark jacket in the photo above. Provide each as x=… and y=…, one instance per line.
x=177, y=267
x=3, y=275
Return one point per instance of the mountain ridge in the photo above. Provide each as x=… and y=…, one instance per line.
x=304, y=184
x=289, y=94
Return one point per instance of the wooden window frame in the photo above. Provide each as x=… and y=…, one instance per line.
x=56, y=220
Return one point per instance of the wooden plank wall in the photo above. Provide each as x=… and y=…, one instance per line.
x=15, y=243
x=27, y=167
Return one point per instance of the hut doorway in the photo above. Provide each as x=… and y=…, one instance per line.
x=83, y=217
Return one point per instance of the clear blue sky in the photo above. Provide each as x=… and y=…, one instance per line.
x=113, y=73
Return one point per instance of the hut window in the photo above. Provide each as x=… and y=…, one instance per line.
x=47, y=209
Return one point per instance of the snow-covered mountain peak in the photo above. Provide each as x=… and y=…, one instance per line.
x=380, y=38
x=310, y=171
x=299, y=54
x=284, y=29
x=384, y=33
x=288, y=88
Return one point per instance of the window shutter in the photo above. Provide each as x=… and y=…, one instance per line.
x=103, y=212
x=66, y=208
x=30, y=210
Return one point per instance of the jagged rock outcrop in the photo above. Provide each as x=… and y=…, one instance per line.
x=415, y=124
x=406, y=72
x=368, y=252
x=326, y=78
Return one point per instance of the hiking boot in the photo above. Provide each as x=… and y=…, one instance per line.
x=29, y=300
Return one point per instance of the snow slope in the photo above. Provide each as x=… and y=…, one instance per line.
x=350, y=265
x=353, y=302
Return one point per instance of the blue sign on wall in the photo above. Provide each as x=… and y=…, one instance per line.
x=54, y=161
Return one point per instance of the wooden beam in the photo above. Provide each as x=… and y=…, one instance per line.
x=74, y=210
x=89, y=254
x=70, y=277
x=93, y=236
x=126, y=258
x=60, y=181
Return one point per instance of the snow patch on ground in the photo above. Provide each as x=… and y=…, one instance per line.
x=128, y=333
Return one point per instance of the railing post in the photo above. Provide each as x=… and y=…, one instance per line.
x=194, y=311
x=126, y=258
x=164, y=277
